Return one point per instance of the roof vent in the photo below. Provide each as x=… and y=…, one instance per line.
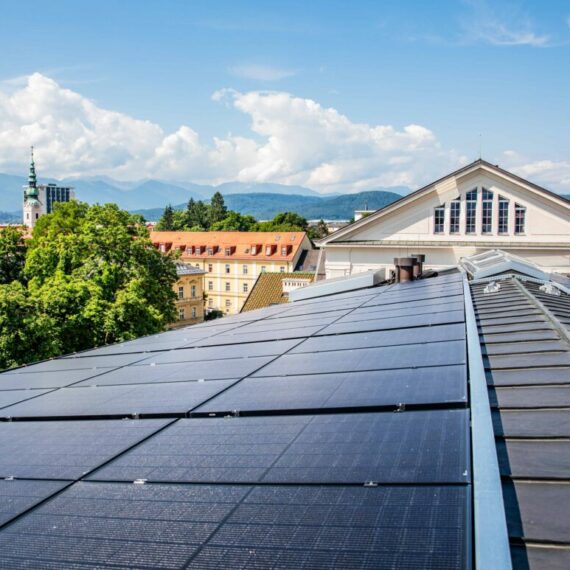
x=419, y=266
x=492, y=287
x=404, y=268
x=550, y=289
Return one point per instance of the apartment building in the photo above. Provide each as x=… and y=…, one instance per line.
x=232, y=261
x=189, y=289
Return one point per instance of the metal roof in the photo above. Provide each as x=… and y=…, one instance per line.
x=524, y=338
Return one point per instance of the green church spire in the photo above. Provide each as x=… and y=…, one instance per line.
x=32, y=191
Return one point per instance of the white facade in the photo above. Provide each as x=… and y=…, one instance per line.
x=48, y=195
x=454, y=217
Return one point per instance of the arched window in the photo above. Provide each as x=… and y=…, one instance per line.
x=487, y=212
x=503, y=216
x=471, y=212
x=454, y=215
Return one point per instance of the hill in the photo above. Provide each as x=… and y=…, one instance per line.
x=264, y=206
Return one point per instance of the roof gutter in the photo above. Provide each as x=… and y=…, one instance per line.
x=490, y=525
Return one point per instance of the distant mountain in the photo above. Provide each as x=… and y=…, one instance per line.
x=266, y=188
x=149, y=194
x=10, y=217
x=264, y=206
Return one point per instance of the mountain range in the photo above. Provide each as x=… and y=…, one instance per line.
x=149, y=197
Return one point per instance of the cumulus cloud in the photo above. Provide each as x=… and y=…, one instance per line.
x=553, y=174
x=297, y=141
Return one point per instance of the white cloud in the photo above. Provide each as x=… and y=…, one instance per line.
x=292, y=140
x=487, y=23
x=552, y=174
x=261, y=72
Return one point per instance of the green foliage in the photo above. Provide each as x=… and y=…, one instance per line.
x=319, y=231
x=284, y=222
x=234, y=222
x=167, y=222
x=12, y=254
x=26, y=333
x=217, y=210
x=93, y=277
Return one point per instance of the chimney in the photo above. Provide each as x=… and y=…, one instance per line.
x=404, y=269
x=419, y=266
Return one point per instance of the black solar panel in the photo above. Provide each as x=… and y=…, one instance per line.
x=424, y=447
x=349, y=390
x=53, y=379
x=382, y=338
x=9, y=397
x=328, y=433
x=123, y=400
x=381, y=358
x=66, y=450
x=18, y=496
x=164, y=526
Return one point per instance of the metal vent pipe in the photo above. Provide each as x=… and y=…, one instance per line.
x=419, y=266
x=404, y=269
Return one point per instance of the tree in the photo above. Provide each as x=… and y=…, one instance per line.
x=284, y=222
x=166, y=222
x=99, y=278
x=234, y=221
x=12, y=254
x=218, y=209
x=319, y=231
x=26, y=333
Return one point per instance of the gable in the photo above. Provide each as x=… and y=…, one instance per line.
x=547, y=216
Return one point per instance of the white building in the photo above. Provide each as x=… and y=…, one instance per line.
x=40, y=198
x=474, y=209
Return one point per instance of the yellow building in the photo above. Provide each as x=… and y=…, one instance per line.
x=189, y=289
x=232, y=261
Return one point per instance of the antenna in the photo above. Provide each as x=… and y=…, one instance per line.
x=480, y=145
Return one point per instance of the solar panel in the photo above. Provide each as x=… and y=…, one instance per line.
x=9, y=397
x=170, y=526
x=349, y=390
x=17, y=496
x=91, y=363
x=53, y=379
x=181, y=372
x=248, y=337
x=266, y=348
x=400, y=310
x=425, y=446
x=425, y=320
x=66, y=450
x=382, y=338
x=381, y=358
x=123, y=400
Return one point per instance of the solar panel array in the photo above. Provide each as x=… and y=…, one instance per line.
x=332, y=432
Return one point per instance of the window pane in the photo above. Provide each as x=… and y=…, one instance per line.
x=520, y=215
x=503, y=215
x=454, y=215
x=471, y=212
x=487, y=212
x=439, y=219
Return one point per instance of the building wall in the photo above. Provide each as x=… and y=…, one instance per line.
x=189, y=300
x=239, y=277
x=546, y=239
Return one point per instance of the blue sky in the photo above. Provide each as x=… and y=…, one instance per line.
x=454, y=68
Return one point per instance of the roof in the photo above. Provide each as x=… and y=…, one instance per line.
x=268, y=289
x=241, y=241
x=328, y=433
x=525, y=339
x=343, y=431
x=480, y=163
x=187, y=269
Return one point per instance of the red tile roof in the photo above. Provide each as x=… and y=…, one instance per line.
x=232, y=245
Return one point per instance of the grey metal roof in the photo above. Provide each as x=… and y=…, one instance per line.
x=187, y=269
x=527, y=363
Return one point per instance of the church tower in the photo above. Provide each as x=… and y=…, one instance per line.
x=32, y=206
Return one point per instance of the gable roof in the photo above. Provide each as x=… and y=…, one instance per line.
x=463, y=171
x=268, y=289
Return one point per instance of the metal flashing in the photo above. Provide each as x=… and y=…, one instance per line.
x=491, y=540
